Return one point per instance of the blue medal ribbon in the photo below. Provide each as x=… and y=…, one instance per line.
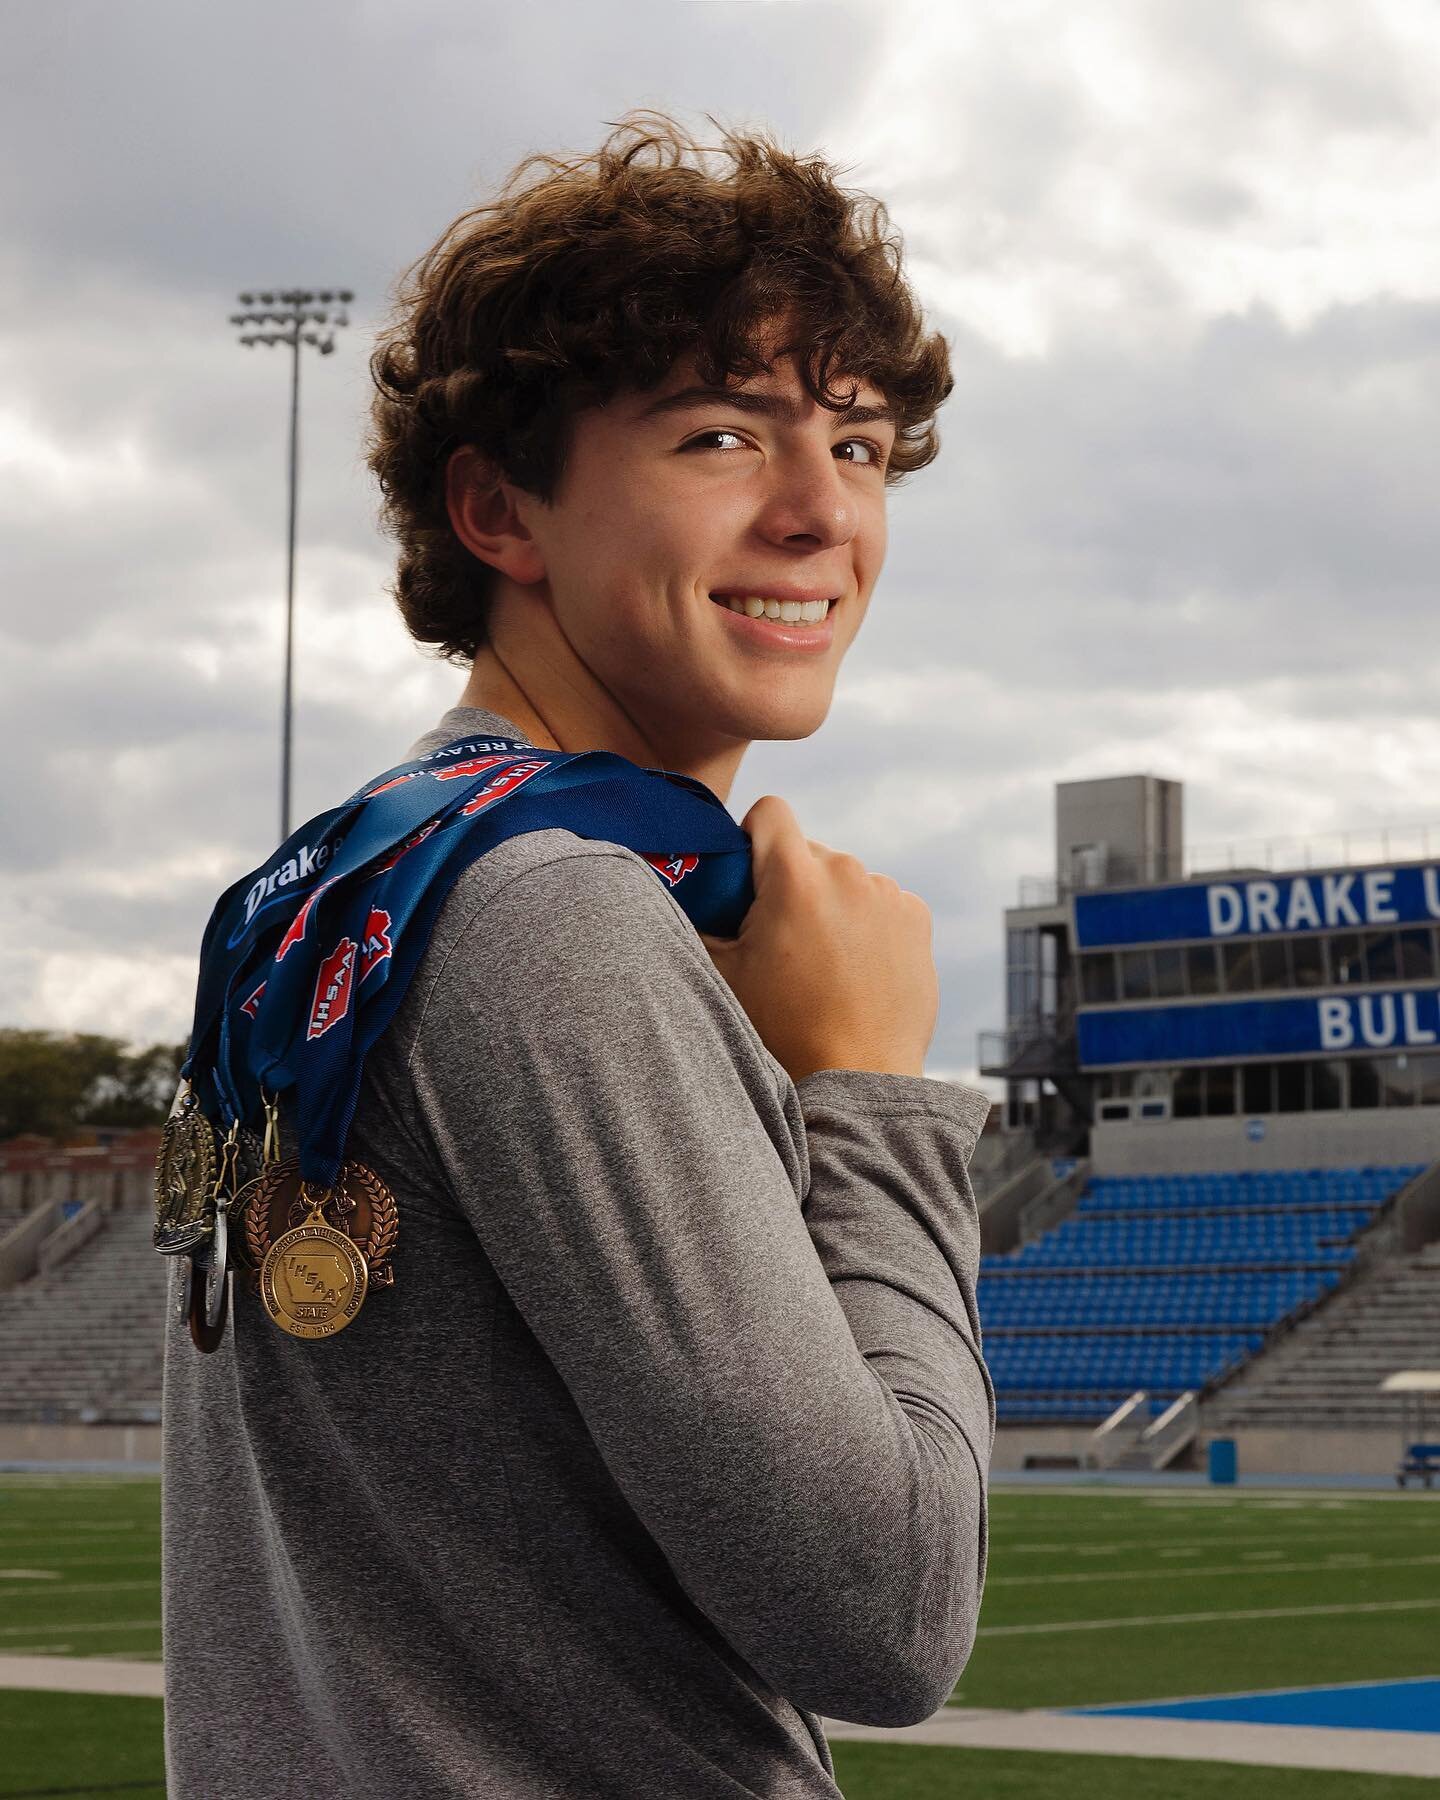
x=306, y=959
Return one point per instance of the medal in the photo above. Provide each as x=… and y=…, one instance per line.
x=255, y=1162
x=209, y=1287
x=319, y=1250
x=360, y=1206
x=313, y=1280
x=304, y=962
x=185, y=1170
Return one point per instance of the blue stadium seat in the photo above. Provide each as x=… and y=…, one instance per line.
x=1166, y=1282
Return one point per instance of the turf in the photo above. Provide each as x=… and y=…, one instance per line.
x=1077, y=1579
x=926, y=1772
x=1070, y=1569
x=80, y=1566
x=80, y=1745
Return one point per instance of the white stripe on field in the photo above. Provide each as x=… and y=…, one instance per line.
x=20, y=1631
x=1357, y=1565
x=1259, y=1612
x=91, y=1587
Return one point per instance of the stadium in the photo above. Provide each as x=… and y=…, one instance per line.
x=1210, y=1218
x=1210, y=1215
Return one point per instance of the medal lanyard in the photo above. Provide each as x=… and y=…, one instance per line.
x=305, y=961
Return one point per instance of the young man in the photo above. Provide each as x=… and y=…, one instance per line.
x=671, y=1437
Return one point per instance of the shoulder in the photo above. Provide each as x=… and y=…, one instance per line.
x=549, y=932
x=570, y=889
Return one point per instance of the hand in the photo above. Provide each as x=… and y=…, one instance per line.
x=833, y=965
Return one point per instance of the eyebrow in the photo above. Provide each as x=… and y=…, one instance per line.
x=775, y=406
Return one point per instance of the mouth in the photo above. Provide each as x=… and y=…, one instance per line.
x=799, y=614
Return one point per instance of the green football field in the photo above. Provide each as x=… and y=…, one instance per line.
x=1094, y=1594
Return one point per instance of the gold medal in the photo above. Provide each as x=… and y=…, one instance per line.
x=313, y=1280
x=359, y=1205
x=185, y=1172
x=318, y=1251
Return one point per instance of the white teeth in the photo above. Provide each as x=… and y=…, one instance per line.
x=790, y=612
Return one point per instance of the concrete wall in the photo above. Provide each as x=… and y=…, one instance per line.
x=61, y=1180
x=1013, y=1443
x=80, y=1443
x=1272, y=1451
x=1138, y=818
x=1291, y=1141
x=1266, y=1451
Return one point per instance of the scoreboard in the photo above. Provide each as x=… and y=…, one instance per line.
x=1354, y=1019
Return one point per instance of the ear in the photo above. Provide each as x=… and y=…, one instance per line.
x=485, y=514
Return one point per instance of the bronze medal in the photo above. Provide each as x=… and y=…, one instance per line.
x=313, y=1281
x=359, y=1205
x=185, y=1173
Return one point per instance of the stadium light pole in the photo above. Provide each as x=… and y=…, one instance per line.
x=292, y=310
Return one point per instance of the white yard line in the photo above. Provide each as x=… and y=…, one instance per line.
x=77, y=1528
x=1130, y=1545
x=65, y=1562
x=1199, y=1618
x=1357, y=1564
x=91, y=1587
x=1272, y=1746
x=20, y=1631
x=1152, y=1494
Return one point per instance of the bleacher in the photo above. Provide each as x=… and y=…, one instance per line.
x=1167, y=1283
x=85, y=1340
x=1328, y=1373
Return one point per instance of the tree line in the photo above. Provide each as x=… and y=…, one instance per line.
x=61, y=1084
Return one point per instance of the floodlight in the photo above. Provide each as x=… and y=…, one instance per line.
x=294, y=336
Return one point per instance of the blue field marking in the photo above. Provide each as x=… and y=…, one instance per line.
x=1410, y=1705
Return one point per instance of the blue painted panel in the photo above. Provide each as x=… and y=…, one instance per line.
x=1359, y=1706
x=1343, y=1024
x=1258, y=906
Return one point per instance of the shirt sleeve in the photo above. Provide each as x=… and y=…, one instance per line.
x=769, y=1330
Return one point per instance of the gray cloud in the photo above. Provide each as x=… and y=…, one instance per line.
x=1183, y=519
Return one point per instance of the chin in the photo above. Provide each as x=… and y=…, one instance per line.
x=775, y=718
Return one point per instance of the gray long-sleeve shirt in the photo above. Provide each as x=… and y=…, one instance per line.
x=671, y=1436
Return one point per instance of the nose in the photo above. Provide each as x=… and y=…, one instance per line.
x=810, y=504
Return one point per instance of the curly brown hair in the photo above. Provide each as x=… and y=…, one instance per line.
x=595, y=276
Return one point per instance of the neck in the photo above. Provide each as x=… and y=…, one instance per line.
x=528, y=673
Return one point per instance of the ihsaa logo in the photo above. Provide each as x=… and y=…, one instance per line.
x=673, y=868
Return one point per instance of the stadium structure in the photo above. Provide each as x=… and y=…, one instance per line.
x=1212, y=1208
x=1210, y=1205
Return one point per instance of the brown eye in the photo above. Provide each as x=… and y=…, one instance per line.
x=705, y=437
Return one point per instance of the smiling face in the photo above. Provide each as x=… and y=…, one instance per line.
x=673, y=497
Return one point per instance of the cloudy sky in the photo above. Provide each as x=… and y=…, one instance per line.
x=1184, y=520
